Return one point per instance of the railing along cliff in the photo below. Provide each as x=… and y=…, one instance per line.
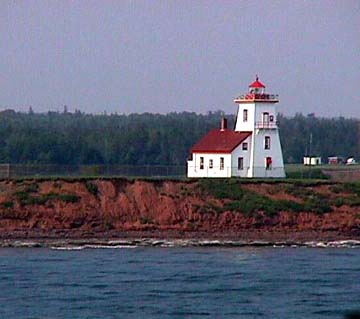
x=25, y=170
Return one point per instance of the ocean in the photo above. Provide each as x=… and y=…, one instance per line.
x=179, y=282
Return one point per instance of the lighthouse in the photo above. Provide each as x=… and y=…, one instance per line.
x=251, y=149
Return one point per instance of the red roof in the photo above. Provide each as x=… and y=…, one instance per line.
x=218, y=141
x=256, y=84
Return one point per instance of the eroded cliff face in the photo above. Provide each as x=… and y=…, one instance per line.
x=87, y=208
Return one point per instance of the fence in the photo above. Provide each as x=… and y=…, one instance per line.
x=341, y=173
x=21, y=170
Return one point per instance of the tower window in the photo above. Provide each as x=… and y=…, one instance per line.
x=240, y=163
x=201, y=163
x=221, y=163
x=245, y=115
x=211, y=163
x=268, y=163
x=266, y=117
x=267, y=143
x=244, y=146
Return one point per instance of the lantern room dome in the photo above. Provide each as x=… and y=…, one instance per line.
x=257, y=84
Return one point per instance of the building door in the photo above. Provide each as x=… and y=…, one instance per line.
x=266, y=119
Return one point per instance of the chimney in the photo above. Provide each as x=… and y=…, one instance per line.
x=223, y=124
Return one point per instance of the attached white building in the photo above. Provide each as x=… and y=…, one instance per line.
x=252, y=149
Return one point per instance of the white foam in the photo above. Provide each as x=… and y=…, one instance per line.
x=67, y=247
x=109, y=246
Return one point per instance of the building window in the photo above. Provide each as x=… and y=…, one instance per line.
x=211, y=163
x=271, y=118
x=201, y=163
x=268, y=163
x=245, y=115
x=221, y=163
x=244, y=146
x=240, y=163
x=267, y=143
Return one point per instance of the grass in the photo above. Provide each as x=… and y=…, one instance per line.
x=309, y=173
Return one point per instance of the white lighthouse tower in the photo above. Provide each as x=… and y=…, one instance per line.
x=251, y=149
x=257, y=114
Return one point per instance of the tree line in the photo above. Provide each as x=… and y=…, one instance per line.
x=152, y=139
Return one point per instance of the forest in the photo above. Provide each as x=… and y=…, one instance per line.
x=152, y=139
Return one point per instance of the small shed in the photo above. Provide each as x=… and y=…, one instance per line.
x=335, y=160
x=312, y=160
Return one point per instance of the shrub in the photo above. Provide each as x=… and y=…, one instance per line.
x=146, y=221
x=298, y=191
x=336, y=189
x=340, y=201
x=69, y=198
x=27, y=199
x=222, y=188
x=92, y=188
x=317, y=204
x=8, y=204
x=352, y=201
x=31, y=188
x=353, y=188
x=250, y=203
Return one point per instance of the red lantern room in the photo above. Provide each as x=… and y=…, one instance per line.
x=257, y=87
x=257, y=94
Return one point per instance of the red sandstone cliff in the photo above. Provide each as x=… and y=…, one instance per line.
x=159, y=208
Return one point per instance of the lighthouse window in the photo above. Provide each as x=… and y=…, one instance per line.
x=211, y=163
x=201, y=163
x=245, y=146
x=245, y=115
x=267, y=143
x=268, y=162
x=240, y=163
x=221, y=163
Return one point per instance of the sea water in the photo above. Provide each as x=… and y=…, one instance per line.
x=154, y=282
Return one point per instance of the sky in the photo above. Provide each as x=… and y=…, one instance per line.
x=173, y=56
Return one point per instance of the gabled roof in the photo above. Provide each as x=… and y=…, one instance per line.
x=256, y=84
x=220, y=141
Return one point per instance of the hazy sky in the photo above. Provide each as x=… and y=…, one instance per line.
x=166, y=56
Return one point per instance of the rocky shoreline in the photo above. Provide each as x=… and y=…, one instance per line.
x=94, y=243
x=73, y=240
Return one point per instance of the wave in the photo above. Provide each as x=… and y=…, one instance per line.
x=92, y=247
x=152, y=242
